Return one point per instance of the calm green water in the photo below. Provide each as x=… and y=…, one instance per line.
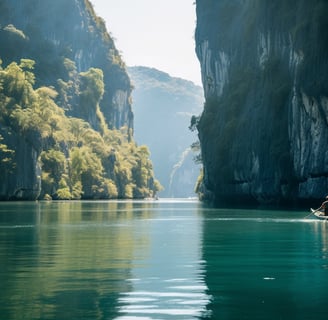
x=160, y=260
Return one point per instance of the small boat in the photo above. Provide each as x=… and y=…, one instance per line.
x=319, y=214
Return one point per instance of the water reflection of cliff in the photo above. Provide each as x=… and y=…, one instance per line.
x=265, y=265
x=321, y=238
x=69, y=260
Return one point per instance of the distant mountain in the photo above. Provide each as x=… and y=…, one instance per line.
x=163, y=106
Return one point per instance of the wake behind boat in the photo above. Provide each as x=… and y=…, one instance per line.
x=319, y=214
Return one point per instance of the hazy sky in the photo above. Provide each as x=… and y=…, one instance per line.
x=154, y=33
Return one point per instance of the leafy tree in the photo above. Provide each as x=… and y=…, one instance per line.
x=112, y=189
x=78, y=129
x=17, y=82
x=53, y=170
x=92, y=86
x=86, y=168
x=77, y=190
x=63, y=192
x=128, y=190
x=53, y=161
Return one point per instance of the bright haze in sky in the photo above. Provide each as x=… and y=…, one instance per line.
x=154, y=33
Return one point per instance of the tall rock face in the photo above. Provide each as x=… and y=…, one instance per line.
x=65, y=100
x=51, y=31
x=163, y=106
x=25, y=184
x=264, y=128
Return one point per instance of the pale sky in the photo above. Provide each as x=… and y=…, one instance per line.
x=154, y=33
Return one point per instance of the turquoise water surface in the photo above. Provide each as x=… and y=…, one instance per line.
x=166, y=259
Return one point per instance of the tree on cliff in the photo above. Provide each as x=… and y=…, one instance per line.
x=76, y=161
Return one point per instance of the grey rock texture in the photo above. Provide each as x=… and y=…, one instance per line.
x=264, y=129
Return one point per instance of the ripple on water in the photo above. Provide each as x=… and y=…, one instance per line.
x=176, y=297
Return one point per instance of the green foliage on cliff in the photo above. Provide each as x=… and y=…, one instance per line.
x=39, y=31
x=76, y=160
x=14, y=31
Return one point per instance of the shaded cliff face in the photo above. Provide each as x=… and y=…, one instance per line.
x=55, y=30
x=264, y=129
x=25, y=184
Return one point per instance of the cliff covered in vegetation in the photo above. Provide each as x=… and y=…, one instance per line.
x=264, y=129
x=66, y=122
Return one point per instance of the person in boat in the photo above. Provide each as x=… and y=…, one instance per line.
x=324, y=206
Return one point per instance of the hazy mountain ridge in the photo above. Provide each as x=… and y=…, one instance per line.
x=163, y=106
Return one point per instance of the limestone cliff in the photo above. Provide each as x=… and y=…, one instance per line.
x=25, y=184
x=68, y=42
x=54, y=30
x=264, y=129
